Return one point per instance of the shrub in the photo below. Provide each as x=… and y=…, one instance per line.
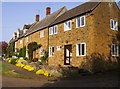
x=40, y=72
x=35, y=59
x=96, y=63
x=10, y=49
x=13, y=61
x=44, y=58
x=33, y=46
x=22, y=52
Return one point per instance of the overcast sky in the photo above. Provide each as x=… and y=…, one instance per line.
x=16, y=14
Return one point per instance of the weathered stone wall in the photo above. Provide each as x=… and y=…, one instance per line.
x=73, y=36
x=104, y=36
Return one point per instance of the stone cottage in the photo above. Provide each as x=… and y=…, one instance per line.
x=71, y=35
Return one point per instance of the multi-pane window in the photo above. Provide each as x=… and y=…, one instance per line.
x=81, y=49
x=51, y=51
x=59, y=48
x=113, y=24
x=53, y=30
x=115, y=50
x=26, y=39
x=67, y=25
x=41, y=33
x=80, y=21
x=20, y=41
x=15, y=46
x=41, y=51
x=27, y=53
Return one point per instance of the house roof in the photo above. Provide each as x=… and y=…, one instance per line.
x=74, y=12
x=46, y=21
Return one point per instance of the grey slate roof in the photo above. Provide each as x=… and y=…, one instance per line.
x=46, y=21
x=79, y=10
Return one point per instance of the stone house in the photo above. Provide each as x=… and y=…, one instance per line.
x=72, y=35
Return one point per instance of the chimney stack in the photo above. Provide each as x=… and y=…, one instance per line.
x=48, y=10
x=37, y=18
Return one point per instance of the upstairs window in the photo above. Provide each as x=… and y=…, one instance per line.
x=41, y=33
x=20, y=41
x=41, y=51
x=67, y=25
x=113, y=24
x=53, y=30
x=51, y=51
x=115, y=50
x=81, y=49
x=26, y=39
x=80, y=21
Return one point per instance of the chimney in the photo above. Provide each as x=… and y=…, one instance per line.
x=37, y=18
x=48, y=9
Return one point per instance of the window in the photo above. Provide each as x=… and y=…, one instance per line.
x=67, y=25
x=41, y=51
x=59, y=48
x=53, y=30
x=51, y=51
x=81, y=49
x=115, y=50
x=80, y=21
x=20, y=41
x=15, y=46
x=113, y=24
x=41, y=33
x=27, y=53
x=26, y=39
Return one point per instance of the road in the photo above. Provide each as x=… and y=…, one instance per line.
x=82, y=81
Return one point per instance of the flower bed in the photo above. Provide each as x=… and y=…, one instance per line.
x=23, y=64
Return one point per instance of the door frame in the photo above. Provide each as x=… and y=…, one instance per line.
x=70, y=57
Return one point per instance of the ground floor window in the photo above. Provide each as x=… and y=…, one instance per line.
x=51, y=51
x=41, y=51
x=115, y=50
x=81, y=49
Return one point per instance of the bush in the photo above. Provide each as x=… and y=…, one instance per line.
x=44, y=58
x=33, y=46
x=11, y=60
x=96, y=63
x=22, y=52
x=35, y=60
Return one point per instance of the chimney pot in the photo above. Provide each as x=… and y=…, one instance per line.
x=48, y=11
x=37, y=18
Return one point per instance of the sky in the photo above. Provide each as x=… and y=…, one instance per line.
x=14, y=15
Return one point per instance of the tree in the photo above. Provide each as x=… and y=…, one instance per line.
x=22, y=52
x=33, y=46
x=3, y=46
x=10, y=49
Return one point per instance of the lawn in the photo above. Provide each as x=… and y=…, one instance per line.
x=4, y=68
x=8, y=71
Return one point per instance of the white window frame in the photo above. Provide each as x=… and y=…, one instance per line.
x=15, y=46
x=27, y=39
x=41, y=50
x=20, y=41
x=77, y=51
x=51, y=53
x=80, y=21
x=41, y=33
x=115, y=26
x=66, y=28
x=115, y=50
x=59, y=48
x=53, y=30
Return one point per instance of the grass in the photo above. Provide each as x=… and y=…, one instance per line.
x=7, y=71
x=4, y=68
